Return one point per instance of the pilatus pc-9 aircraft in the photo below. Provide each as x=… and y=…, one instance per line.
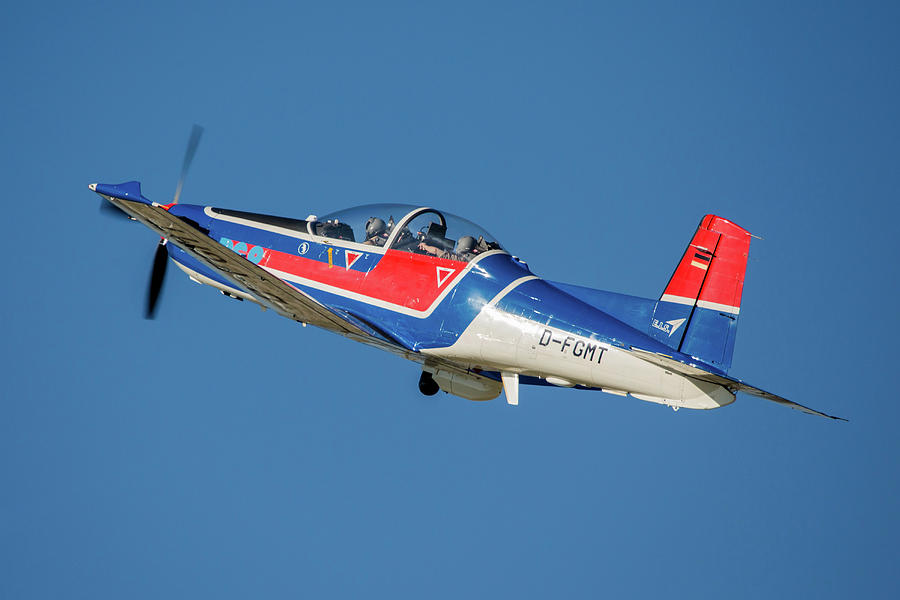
x=443, y=292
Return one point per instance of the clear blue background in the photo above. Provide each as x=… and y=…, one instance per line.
x=221, y=452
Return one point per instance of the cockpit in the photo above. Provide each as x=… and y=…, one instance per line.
x=408, y=229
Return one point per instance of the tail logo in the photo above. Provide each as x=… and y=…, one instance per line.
x=669, y=327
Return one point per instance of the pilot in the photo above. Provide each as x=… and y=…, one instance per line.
x=376, y=232
x=468, y=247
x=465, y=249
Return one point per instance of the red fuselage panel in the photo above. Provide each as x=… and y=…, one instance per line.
x=413, y=281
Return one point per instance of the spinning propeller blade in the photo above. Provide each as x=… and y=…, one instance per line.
x=157, y=276
x=193, y=141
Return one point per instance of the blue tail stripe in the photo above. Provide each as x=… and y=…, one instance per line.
x=706, y=332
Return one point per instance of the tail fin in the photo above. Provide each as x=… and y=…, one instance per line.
x=698, y=311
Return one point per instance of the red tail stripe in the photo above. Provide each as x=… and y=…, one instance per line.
x=725, y=280
x=721, y=280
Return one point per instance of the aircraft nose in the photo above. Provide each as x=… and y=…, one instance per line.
x=92, y=187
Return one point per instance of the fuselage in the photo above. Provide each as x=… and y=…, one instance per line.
x=488, y=312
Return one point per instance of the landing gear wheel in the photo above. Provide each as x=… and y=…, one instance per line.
x=427, y=384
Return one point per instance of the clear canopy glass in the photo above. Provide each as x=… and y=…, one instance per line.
x=420, y=230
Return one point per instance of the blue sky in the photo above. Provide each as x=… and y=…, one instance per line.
x=223, y=452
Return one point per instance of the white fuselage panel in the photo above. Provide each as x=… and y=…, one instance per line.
x=500, y=341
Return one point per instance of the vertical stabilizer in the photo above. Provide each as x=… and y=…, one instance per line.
x=698, y=311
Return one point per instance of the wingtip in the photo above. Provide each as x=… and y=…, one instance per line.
x=817, y=413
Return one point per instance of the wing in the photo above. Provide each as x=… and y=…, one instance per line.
x=268, y=289
x=735, y=385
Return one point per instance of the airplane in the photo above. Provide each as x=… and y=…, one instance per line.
x=439, y=290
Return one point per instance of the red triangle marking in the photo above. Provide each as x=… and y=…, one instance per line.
x=443, y=274
x=351, y=257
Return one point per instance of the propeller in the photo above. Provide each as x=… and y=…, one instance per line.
x=161, y=258
x=193, y=142
x=157, y=276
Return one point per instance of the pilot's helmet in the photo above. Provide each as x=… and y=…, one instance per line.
x=465, y=244
x=374, y=226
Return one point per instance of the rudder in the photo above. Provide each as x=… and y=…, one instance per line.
x=698, y=311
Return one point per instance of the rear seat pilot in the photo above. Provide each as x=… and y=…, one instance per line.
x=465, y=249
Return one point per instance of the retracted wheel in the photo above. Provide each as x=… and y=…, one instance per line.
x=427, y=384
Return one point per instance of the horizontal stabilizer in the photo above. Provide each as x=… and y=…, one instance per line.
x=749, y=389
x=633, y=311
x=735, y=385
